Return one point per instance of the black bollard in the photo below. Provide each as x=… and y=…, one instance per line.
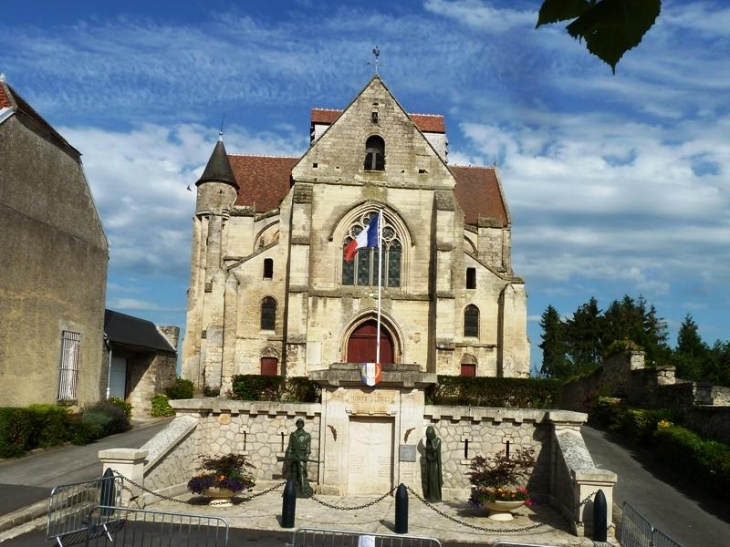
x=107, y=493
x=401, y=509
x=600, y=517
x=289, y=505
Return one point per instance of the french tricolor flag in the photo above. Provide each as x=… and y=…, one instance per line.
x=367, y=238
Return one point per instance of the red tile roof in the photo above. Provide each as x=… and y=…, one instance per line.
x=427, y=123
x=4, y=99
x=264, y=181
x=479, y=195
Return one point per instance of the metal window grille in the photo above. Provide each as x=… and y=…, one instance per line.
x=70, y=355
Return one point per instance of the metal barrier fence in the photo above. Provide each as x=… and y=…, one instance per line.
x=636, y=531
x=70, y=505
x=127, y=527
x=318, y=537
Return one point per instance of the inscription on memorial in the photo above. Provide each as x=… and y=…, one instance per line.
x=408, y=452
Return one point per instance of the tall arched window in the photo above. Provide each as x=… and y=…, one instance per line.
x=268, y=313
x=375, y=154
x=363, y=270
x=471, y=321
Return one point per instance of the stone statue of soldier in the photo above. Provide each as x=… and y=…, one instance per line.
x=297, y=454
x=434, y=480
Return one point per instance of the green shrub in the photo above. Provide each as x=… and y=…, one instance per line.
x=85, y=429
x=254, y=387
x=211, y=391
x=50, y=426
x=16, y=426
x=181, y=389
x=121, y=403
x=161, y=406
x=495, y=392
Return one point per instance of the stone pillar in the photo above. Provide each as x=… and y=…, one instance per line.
x=129, y=463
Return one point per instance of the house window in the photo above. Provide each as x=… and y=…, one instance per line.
x=70, y=354
x=363, y=269
x=268, y=268
x=471, y=278
x=268, y=313
x=471, y=321
x=269, y=366
x=375, y=154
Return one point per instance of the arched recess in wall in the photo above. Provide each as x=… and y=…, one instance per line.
x=395, y=233
x=468, y=365
x=360, y=337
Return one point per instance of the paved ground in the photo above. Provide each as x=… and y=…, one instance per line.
x=662, y=497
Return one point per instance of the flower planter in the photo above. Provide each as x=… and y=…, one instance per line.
x=501, y=510
x=219, y=497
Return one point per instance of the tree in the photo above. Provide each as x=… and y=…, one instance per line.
x=609, y=27
x=691, y=351
x=555, y=363
x=584, y=336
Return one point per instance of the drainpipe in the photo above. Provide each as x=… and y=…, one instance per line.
x=108, y=345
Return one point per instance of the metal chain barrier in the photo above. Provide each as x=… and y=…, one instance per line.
x=187, y=502
x=469, y=525
x=355, y=507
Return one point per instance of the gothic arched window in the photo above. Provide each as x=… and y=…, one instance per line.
x=471, y=321
x=375, y=154
x=268, y=313
x=363, y=269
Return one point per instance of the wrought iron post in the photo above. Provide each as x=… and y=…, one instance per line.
x=600, y=517
x=289, y=504
x=401, y=509
x=107, y=492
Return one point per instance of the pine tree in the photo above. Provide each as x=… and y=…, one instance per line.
x=555, y=363
x=691, y=351
x=584, y=336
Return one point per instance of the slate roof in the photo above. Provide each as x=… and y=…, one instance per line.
x=427, y=123
x=133, y=331
x=218, y=168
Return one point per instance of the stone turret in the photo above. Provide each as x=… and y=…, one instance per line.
x=217, y=186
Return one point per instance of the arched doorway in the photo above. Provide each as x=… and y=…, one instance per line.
x=361, y=345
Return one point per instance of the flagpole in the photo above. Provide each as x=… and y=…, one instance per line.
x=380, y=284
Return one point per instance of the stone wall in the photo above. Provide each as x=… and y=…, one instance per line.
x=468, y=431
x=565, y=476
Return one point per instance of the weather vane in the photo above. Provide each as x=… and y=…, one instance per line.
x=376, y=52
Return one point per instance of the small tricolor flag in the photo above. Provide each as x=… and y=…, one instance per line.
x=367, y=238
x=371, y=373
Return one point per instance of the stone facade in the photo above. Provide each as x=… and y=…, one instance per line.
x=54, y=264
x=270, y=291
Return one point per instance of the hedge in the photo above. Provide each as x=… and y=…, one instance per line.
x=495, y=392
x=296, y=389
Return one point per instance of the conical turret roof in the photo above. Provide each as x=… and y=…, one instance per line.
x=218, y=168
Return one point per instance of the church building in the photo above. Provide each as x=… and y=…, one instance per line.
x=274, y=289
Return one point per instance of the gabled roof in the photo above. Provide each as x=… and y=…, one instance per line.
x=427, y=123
x=9, y=98
x=479, y=194
x=263, y=181
x=133, y=331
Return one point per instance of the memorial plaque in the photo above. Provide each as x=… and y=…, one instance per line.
x=408, y=452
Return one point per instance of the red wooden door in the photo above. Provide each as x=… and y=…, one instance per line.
x=361, y=345
x=269, y=366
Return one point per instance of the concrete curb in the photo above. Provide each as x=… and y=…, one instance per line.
x=23, y=515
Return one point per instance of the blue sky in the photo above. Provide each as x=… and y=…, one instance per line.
x=616, y=184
